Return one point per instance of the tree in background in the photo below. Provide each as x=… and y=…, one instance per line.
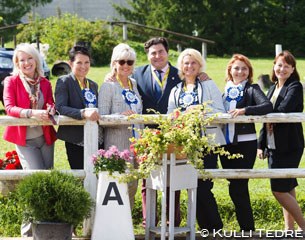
x=62, y=32
x=13, y=10
x=251, y=27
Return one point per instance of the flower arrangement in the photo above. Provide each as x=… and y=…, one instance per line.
x=10, y=162
x=185, y=130
x=111, y=160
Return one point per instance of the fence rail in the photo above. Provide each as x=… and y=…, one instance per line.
x=91, y=146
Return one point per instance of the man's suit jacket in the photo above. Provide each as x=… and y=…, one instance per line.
x=288, y=136
x=69, y=101
x=144, y=80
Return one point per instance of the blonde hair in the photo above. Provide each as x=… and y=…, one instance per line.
x=32, y=51
x=193, y=53
x=122, y=51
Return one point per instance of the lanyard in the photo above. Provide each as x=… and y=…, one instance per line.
x=121, y=84
x=80, y=84
x=161, y=84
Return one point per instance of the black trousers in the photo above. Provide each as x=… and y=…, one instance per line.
x=238, y=188
x=75, y=155
x=207, y=210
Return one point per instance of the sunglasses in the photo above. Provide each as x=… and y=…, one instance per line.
x=129, y=62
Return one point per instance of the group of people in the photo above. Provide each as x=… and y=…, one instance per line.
x=159, y=85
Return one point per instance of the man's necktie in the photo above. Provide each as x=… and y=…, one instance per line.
x=158, y=88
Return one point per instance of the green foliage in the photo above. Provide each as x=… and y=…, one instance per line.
x=54, y=197
x=181, y=129
x=251, y=27
x=10, y=216
x=13, y=10
x=61, y=33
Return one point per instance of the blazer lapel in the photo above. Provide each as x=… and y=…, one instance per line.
x=77, y=89
x=281, y=96
x=148, y=84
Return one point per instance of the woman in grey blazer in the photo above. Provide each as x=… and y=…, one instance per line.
x=121, y=97
x=74, y=94
x=185, y=95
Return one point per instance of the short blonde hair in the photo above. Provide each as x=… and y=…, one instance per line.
x=193, y=53
x=122, y=51
x=32, y=51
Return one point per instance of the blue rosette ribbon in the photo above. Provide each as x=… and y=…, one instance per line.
x=187, y=99
x=235, y=93
x=129, y=96
x=90, y=98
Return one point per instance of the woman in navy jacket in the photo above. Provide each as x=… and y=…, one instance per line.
x=241, y=97
x=283, y=143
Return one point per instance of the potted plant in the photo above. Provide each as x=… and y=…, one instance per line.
x=183, y=132
x=53, y=201
x=111, y=160
x=9, y=162
x=112, y=198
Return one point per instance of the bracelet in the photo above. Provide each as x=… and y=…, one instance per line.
x=82, y=113
x=28, y=113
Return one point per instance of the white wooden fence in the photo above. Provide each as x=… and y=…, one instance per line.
x=91, y=146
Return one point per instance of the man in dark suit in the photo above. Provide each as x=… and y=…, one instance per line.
x=158, y=74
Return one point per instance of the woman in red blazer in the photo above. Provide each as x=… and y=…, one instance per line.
x=28, y=94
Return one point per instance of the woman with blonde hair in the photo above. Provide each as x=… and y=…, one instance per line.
x=27, y=93
x=121, y=97
x=187, y=94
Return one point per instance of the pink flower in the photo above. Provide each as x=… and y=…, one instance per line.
x=125, y=155
x=94, y=158
x=101, y=152
x=114, y=150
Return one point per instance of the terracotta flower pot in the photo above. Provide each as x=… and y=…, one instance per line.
x=172, y=148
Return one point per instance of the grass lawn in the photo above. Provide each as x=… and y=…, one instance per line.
x=267, y=212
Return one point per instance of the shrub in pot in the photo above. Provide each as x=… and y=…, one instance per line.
x=56, y=197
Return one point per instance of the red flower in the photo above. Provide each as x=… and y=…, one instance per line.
x=9, y=155
x=133, y=150
x=10, y=166
x=11, y=161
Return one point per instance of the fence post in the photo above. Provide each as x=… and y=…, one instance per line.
x=90, y=147
x=204, y=50
x=124, y=32
x=278, y=49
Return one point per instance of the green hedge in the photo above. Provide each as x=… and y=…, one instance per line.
x=61, y=33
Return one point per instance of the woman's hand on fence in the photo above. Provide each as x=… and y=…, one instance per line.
x=236, y=112
x=40, y=114
x=91, y=114
x=128, y=112
x=262, y=154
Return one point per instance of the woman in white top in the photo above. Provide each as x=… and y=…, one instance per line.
x=188, y=93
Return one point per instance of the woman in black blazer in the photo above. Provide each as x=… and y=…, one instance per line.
x=241, y=97
x=74, y=94
x=283, y=143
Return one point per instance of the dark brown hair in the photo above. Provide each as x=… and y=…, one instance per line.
x=155, y=41
x=289, y=59
x=77, y=49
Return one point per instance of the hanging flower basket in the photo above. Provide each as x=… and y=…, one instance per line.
x=178, y=150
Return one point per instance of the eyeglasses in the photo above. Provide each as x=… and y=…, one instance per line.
x=129, y=62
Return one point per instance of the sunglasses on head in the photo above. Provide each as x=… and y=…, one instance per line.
x=129, y=62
